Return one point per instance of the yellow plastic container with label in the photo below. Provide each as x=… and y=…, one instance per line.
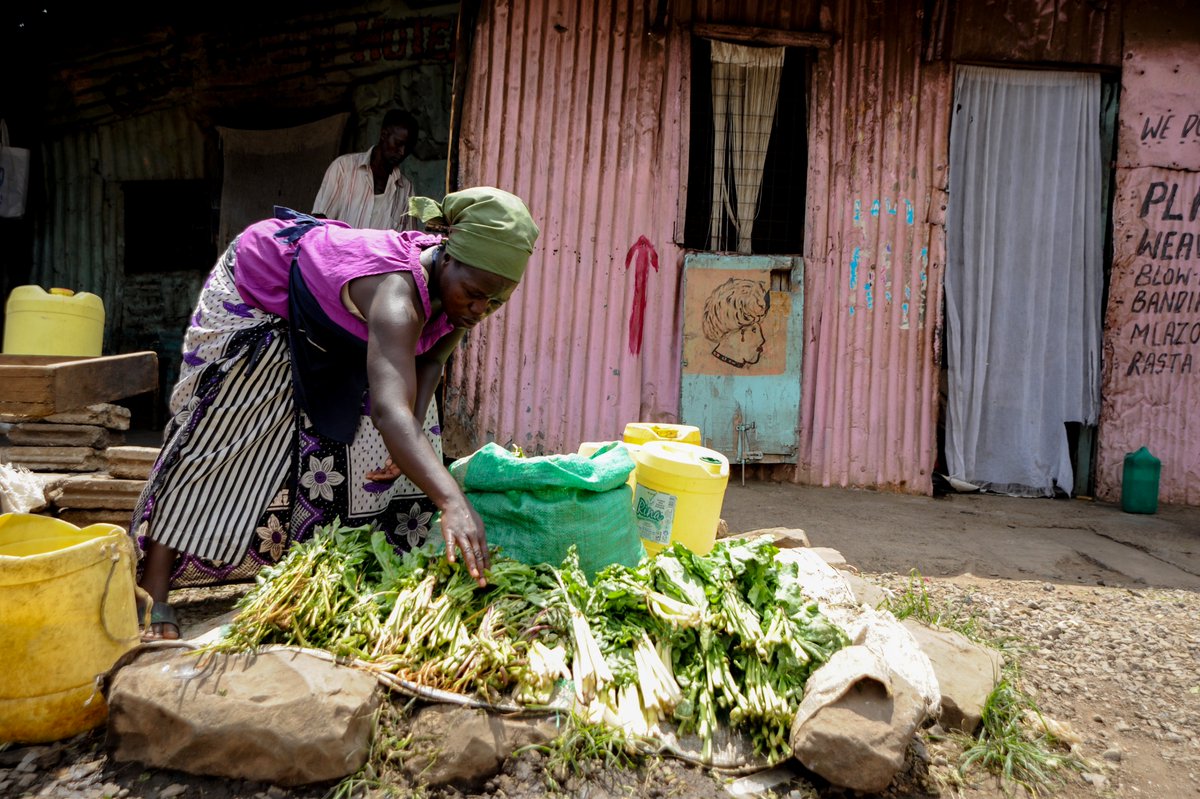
x=680, y=490
x=641, y=432
x=54, y=322
x=67, y=612
x=588, y=448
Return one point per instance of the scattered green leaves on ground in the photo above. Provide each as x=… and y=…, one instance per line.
x=1015, y=741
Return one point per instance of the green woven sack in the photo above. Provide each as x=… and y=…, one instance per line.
x=535, y=509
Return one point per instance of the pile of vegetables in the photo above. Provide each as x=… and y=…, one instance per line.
x=723, y=639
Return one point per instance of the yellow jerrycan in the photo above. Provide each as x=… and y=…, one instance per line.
x=680, y=490
x=67, y=612
x=54, y=322
x=641, y=432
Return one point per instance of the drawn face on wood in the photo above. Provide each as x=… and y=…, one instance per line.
x=733, y=315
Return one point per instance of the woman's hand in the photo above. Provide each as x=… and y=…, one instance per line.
x=462, y=528
x=387, y=474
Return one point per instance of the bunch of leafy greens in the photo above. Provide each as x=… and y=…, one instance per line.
x=727, y=638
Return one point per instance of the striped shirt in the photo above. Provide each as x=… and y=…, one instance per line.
x=347, y=193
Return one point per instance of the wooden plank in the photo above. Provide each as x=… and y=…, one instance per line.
x=763, y=36
x=35, y=386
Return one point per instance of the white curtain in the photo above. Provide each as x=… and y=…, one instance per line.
x=1024, y=275
x=745, y=87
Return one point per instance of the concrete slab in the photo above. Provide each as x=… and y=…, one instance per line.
x=1056, y=540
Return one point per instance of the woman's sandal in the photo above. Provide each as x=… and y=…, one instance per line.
x=161, y=614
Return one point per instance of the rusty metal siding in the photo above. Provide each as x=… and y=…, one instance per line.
x=554, y=112
x=1053, y=31
x=578, y=109
x=1151, y=378
x=81, y=240
x=875, y=252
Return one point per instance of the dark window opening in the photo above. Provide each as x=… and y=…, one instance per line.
x=779, y=223
x=168, y=226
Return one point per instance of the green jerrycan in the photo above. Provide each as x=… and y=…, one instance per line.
x=1139, y=482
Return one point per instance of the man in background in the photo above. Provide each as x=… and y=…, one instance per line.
x=368, y=190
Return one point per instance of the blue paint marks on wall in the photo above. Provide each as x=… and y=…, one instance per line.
x=885, y=206
x=854, y=268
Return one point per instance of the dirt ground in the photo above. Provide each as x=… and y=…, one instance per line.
x=1104, y=607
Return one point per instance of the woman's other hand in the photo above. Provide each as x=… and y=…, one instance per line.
x=387, y=474
x=462, y=528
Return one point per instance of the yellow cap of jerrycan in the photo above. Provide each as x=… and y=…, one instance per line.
x=641, y=432
x=680, y=490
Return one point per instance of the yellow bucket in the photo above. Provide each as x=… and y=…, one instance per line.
x=680, y=489
x=67, y=613
x=641, y=432
x=55, y=322
x=588, y=448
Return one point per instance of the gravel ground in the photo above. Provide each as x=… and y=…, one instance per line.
x=1121, y=667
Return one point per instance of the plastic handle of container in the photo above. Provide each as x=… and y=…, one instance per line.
x=62, y=292
x=115, y=556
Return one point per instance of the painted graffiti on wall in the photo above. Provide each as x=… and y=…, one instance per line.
x=873, y=280
x=1152, y=335
x=1160, y=111
x=1151, y=389
x=1164, y=312
x=734, y=324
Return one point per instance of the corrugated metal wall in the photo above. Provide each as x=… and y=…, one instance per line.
x=875, y=253
x=581, y=111
x=576, y=108
x=138, y=106
x=81, y=245
x=1060, y=31
x=1151, y=388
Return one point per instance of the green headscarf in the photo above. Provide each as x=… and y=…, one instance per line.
x=490, y=229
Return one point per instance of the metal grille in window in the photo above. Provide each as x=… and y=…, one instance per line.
x=776, y=222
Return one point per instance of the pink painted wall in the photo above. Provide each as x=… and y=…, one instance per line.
x=875, y=253
x=582, y=109
x=583, y=112
x=577, y=108
x=1151, y=389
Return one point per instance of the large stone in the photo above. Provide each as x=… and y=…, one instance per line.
x=966, y=673
x=856, y=721
x=463, y=747
x=40, y=434
x=53, y=459
x=98, y=493
x=865, y=592
x=132, y=463
x=785, y=537
x=834, y=558
x=287, y=718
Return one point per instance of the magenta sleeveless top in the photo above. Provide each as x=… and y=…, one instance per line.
x=330, y=256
